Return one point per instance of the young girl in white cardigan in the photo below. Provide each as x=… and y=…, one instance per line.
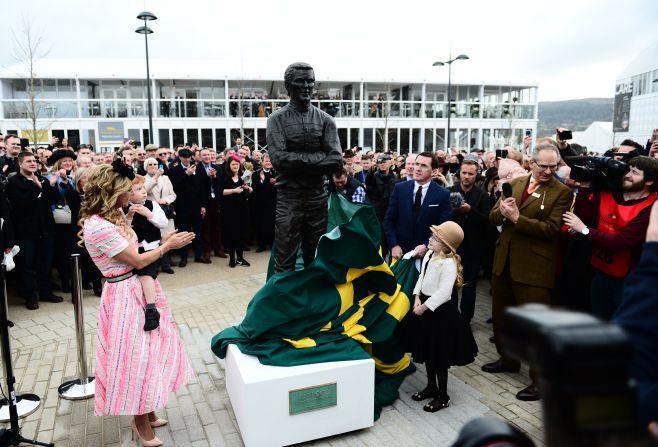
x=440, y=337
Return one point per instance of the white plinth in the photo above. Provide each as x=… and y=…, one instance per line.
x=260, y=399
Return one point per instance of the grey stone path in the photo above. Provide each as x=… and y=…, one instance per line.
x=205, y=299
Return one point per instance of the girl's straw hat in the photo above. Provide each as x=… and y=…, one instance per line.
x=450, y=233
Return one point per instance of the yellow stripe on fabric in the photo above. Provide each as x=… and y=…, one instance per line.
x=305, y=342
x=392, y=368
x=351, y=328
x=388, y=299
x=326, y=327
x=399, y=307
x=355, y=332
x=354, y=273
x=346, y=290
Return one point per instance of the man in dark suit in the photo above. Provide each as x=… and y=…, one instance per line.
x=208, y=174
x=414, y=206
x=190, y=204
x=31, y=198
x=526, y=255
x=8, y=163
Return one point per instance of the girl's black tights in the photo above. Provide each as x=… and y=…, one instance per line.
x=437, y=378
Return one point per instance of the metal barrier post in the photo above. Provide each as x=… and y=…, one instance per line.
x=83, y=387
x=14, y=406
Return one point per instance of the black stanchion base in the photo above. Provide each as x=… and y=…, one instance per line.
x=9, y=437
x=26, y=404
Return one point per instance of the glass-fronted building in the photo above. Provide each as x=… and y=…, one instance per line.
x=199, y=106
x=636, y=98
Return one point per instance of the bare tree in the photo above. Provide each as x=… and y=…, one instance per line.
x=383, y=110
x=29, y=48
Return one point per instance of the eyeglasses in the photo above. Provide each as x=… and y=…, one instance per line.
x=152, y=164
x=434, y=239
x=545, y=167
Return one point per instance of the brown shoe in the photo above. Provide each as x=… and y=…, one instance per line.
x=221, y=254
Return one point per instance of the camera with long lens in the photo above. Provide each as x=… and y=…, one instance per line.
x=604, y=172
x=583, y=369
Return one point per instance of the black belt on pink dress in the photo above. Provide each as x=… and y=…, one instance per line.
x=121, y=277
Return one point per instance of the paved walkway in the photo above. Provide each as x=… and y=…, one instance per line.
x=205, y=299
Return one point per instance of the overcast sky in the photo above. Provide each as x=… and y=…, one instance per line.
x=570, y=48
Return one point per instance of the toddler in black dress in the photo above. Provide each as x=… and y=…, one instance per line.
x=147, y=219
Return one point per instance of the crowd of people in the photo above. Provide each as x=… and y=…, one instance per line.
x=531, y=221
x=227, y=200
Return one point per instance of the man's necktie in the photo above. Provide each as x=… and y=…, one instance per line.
x=534, y=183
x=418, y=199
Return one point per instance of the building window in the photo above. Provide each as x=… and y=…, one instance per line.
x=192, y=136
x=74, y=137
x=220, y=139
x=354, y=137
x=206, y=138
x=163, y=136
x=342, y=136
x=367, y=138
x=429, y=140
x=405, y=144
x=178, y=137
x=415, y=141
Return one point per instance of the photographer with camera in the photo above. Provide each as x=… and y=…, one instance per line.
x=626, y=150
x=622, y=220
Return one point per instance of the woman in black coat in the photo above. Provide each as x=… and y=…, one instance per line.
x=234, y=211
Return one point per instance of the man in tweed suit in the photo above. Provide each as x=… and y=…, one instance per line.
x=525, y=259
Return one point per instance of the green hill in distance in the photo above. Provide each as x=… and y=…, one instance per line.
x=574, y=114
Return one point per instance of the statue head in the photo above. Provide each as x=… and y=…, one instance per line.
x=299, y=81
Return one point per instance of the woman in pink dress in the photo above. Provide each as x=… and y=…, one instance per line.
x=135, y=370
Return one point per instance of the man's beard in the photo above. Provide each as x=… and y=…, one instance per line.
x=633, y=186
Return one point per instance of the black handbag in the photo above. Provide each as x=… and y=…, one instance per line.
x=169, y=210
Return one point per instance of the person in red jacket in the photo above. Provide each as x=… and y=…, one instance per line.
x=623, y=218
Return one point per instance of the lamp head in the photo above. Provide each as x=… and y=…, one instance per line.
x=438, y=64
x=145, y=15
x=144, y=30
x=462, y=57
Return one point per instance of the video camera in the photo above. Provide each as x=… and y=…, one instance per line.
x=584, y=378
x=604, y=172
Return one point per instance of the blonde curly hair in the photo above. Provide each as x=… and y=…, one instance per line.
x=101, y=194
x=459, y=281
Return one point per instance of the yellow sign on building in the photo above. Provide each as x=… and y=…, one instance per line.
x=42, y=135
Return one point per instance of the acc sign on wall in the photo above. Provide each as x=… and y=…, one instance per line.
x=622, y=108
x=110, y=132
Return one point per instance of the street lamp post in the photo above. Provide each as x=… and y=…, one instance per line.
x=441, y=64
x=146, y=16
